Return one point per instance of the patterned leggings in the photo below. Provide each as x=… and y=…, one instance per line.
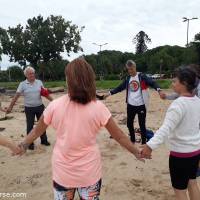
x=85, y=193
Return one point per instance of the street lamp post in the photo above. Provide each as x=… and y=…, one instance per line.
x=100, y=46
x=9, y=75
x=161, y=63
x=185, y=19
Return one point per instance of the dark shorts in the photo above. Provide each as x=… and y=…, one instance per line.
x=182, y=170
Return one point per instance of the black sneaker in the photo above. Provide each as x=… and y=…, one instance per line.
x=31, y=147
x=2, y=129
x=46, y=143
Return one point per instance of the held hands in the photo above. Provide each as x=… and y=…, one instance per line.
x=146, y=151
x=8, y=110
x=23, y=147
x=105, y=96
x=2, y=109
x=138, y=155
x=162, y=95
x=14, y=149
x=19, y=149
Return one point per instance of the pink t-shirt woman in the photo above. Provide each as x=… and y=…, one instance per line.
x=77, y=118
x=76, y=160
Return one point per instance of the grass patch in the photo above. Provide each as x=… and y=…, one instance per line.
x=107, y=84
x=164, y=83
x=53, y=84
x=104, y=84
x=9, y=85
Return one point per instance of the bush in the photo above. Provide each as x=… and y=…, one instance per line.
x=112, y=77
x=3, y=76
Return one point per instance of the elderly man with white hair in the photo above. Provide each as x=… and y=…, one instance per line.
x=31, y=90
x=137, y=98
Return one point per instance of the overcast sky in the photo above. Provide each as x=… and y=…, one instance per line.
x=114, y=22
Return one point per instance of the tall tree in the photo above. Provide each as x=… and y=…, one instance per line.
x=13, y=44
x=42, y=40
x=140, y=40
x=3, y=41
x=197, y=45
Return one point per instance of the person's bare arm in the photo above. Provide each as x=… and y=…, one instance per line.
x=9, y=144
x=49, y=97
x=5, y=142
x=36, y=132
x=15, y=98
x=121, y=138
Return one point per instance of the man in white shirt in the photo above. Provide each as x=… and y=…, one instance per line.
x=30, y=89
x=137, y=98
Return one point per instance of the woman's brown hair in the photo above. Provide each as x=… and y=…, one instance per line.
x=81, y=81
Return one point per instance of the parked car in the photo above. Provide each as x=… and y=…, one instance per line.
x=157, y=76
x=149, y=75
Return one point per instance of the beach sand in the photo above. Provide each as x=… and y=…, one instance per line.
x=124, y=178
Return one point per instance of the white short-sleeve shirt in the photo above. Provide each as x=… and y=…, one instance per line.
x=31, y=92
x=134, y=92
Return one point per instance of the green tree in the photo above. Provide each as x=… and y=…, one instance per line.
x=14, y=45
x=196, y=44
x=53, y=70
x=15, y=73
x=42, y=40
x=3, y=41
x=140, y=40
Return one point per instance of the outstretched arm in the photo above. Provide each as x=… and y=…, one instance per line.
x=9, y=144
x=49, y=97
x=34, y=134
x=154, y=85
x=15, y=98
x=173, y=117
x=119, y=88
x=121, y=138
x=172, y=96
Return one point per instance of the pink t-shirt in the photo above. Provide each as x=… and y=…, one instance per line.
x=76, y=160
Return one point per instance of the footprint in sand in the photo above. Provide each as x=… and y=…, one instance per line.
x=122, y=121
x=136, y=182
x=123, y=164
x=140, y=169
x=2, y=129
x=32, y=179
x=111, y=156
x=17, y=180
x=156, y=177
x=38, y=150
x=165, y=172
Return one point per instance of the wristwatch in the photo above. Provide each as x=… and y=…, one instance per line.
x=158, y=89
x=24, y=145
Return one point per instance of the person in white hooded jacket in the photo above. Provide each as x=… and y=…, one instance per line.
x=181, y=127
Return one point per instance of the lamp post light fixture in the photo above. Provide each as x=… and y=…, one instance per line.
x=100, y=45
x=185, y=19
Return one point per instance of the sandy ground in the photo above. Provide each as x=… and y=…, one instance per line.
x=124, y=178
